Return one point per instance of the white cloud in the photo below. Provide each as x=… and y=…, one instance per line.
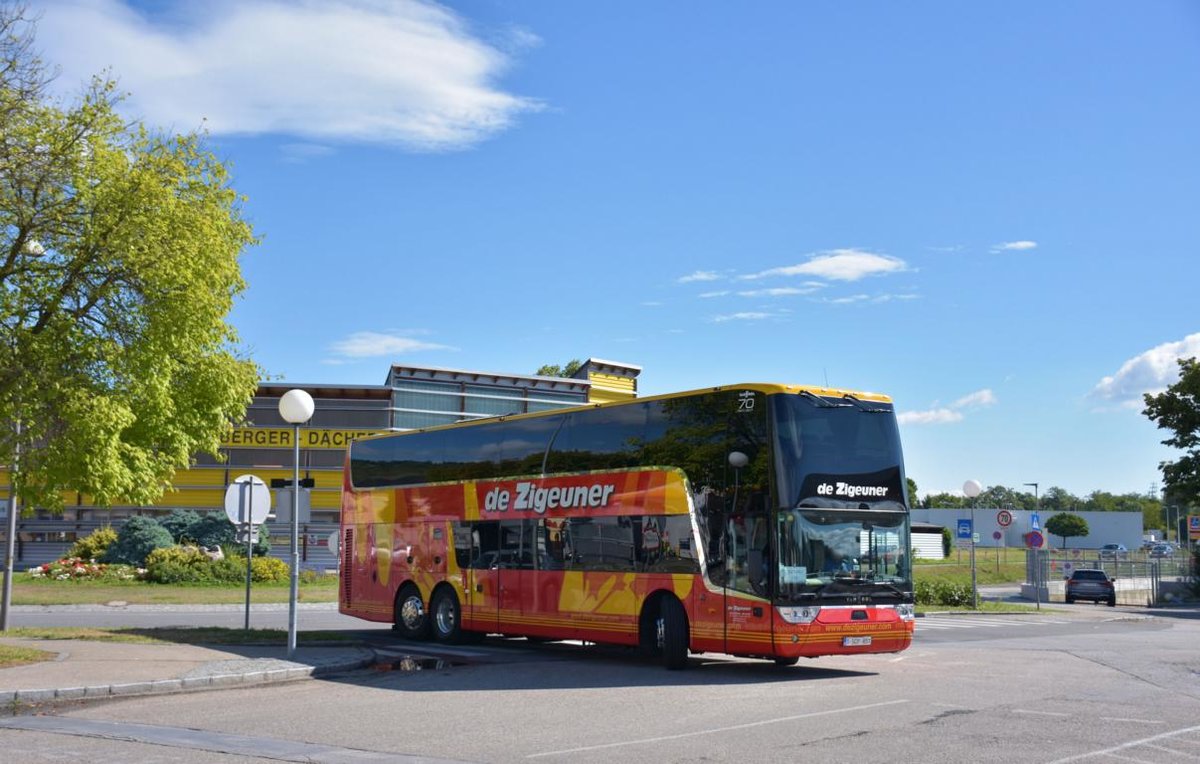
x=297, y=153
x=949, y=414
x=372, y=344
x=983, y=397
x=746, y=316
x=839, y=265
x=780, y=291
x=404, y=72
x=933, y=416
x=707, y=295
x=1151, y=372
x=699, y=276
x=1015, y=246
x=849, y=299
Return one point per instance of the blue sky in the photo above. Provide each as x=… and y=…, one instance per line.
x=985, y=210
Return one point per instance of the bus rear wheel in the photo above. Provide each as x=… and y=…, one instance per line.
x=409, y=617
x=672, y=634
x=447, y=616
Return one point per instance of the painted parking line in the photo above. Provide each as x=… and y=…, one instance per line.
x=717, y=730
x=939, y=622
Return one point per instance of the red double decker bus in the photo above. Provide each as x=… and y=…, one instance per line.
x=755, y=520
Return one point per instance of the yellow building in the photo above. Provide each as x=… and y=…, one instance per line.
x=412, y=397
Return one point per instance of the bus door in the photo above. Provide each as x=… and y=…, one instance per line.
x=482, y=607
x=748, y=612
x=515, y=571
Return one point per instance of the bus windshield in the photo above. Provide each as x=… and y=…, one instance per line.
x=842, y=523
x=830, y=552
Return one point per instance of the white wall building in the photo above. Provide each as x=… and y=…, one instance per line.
x=1104, y=527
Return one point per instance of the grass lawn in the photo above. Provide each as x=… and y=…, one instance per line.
x=11, y=655
x=992, y=566
x=200, y=635
x=31, y=591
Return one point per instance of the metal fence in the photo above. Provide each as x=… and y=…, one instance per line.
x=1138, y=579
x=41, y=542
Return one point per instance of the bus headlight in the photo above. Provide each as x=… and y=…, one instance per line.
x=906, y=610
x=806, y=614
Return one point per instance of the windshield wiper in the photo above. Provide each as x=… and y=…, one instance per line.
x=864, y=406
x=855, y=582
x=820, y=402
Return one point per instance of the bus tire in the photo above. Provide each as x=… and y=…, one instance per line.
x=672, y=633
x=409, y=616
x=446, y=616
x=783, y=661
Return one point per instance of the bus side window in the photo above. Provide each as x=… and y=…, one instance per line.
x=550, y=544
x=462, y=543
x=485, y=535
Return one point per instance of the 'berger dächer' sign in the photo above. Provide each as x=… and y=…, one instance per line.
x=281, y=437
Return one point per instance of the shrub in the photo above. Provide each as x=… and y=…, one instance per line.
x=269, y=570
x=179, y=524
x=94, y=545
x=213, y=530
x=177, y=564
x=942, y=592
x=170, y=572
x=946, y=542
x=138, y=537
x=228, y=569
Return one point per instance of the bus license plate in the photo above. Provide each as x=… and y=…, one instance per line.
x=855, y=641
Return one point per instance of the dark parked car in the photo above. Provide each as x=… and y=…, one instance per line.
x=1113, y=551
x=1094, y=585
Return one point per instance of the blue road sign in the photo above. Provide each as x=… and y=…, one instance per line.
x=1035, y=524
x=964, y=529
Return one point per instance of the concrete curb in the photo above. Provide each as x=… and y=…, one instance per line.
x=286, y=671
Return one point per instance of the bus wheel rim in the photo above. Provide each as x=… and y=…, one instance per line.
x=445, y=618
x=412, y=612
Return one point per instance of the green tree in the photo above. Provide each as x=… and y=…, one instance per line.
x=1057, y=499
x=1177, y=409
x=943, y=500
x=554, y=370
x=913, y=501
x=119, y=253
x=1066, y=525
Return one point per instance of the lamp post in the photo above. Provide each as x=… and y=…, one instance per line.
x=972, y=489
x=1037, y=557
x=296, y=408
x=31, y=248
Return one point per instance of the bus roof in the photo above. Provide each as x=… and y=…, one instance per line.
x=767, y=388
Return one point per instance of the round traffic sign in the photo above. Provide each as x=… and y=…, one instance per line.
x=1004, y=517
x=1036, y=540
x=997, y=535
x=247, y=500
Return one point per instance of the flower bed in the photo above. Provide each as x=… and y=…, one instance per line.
x=77, y=568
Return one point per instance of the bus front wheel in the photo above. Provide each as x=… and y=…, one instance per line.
x=410, y=618
x=672, y=633
x=447, y=616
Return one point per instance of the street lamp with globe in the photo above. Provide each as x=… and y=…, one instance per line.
x=972, y=489
x=296, y=407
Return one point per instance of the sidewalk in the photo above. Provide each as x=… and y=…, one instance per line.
x=92, y=670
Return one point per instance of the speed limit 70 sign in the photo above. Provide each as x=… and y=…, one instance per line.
x=1004, y=518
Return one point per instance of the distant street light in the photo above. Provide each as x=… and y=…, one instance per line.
x=972, y=489
x=296, y=407
x=1037, y=557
